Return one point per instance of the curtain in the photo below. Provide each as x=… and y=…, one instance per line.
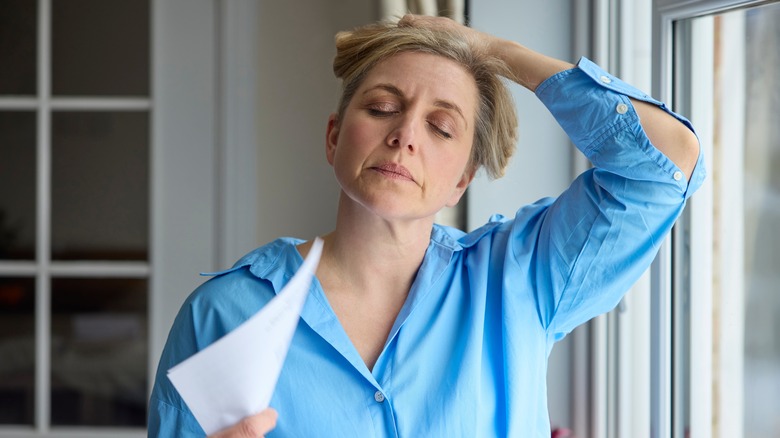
x=454, y=9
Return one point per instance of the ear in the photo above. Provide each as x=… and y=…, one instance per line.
x=332, y=137
x=461, y=187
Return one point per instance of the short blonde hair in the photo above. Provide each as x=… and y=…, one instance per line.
x=495, y=133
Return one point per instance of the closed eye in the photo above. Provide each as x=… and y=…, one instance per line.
x=381, y=113
x=441, y=129
x=382, y=108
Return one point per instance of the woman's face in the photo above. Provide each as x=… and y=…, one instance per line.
x=402, y=147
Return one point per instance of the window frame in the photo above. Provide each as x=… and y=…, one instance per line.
x=619, y=407
x=683, y=357
x=203, y=176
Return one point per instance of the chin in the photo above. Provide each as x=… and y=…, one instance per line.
x=392, y=206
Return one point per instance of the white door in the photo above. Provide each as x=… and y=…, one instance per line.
x=109, y=180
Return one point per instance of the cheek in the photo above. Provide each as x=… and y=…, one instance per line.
x=352, y=150
x=355, y=142
x=358, y=136
x=455, y=174
x=455, y=162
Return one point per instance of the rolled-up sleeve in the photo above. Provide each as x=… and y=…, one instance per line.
x=597, y=238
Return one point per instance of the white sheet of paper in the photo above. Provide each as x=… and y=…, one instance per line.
x=235, y=376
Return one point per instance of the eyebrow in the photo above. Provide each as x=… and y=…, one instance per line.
x=440, y=103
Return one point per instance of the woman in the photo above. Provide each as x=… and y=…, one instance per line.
x=414, y=329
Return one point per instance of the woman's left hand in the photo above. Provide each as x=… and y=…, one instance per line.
x=526, y=67
x=470, y=35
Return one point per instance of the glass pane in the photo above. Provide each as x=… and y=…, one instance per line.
x=742, y=99
x=17, y=350
x=762, y=222
x=18, y=46
x=100, y=194
x=100, y=47
x=99, y=352
x=17, y=184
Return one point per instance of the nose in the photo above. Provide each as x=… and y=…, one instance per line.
x=403, y=136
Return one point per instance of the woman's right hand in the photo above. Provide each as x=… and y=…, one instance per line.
x=254, y=426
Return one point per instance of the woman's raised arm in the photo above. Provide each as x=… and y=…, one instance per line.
x=530, y=68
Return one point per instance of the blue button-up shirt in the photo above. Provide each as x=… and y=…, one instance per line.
x=467, y=355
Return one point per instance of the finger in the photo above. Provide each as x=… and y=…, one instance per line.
x=429, y=21
x=406, y=21
x=254, y=426
x=261, y=423
x=411, y=20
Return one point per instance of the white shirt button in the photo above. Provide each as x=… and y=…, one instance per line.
x=379, y=397
x=677, y=175
x=605, y=80
x=622, y=108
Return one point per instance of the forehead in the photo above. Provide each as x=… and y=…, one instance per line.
x=425, y=76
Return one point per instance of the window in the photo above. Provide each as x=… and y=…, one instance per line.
x=725, y=73
x=90, y=283
x=74, y=213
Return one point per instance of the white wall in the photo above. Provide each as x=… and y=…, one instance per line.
x=543, y=161
x=542, y=164
x=297, y=193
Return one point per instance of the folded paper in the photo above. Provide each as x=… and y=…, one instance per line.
x=235, y=376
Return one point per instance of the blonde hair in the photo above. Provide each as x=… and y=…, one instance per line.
x=495, y=133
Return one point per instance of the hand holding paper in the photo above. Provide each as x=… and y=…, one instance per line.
x=235, y=376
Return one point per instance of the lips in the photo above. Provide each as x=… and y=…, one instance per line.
x=394, y=170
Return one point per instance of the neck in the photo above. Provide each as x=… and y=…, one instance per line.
x=369, y=255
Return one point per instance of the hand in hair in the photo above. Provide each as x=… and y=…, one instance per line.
x=527, y=67
x=468, y=34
